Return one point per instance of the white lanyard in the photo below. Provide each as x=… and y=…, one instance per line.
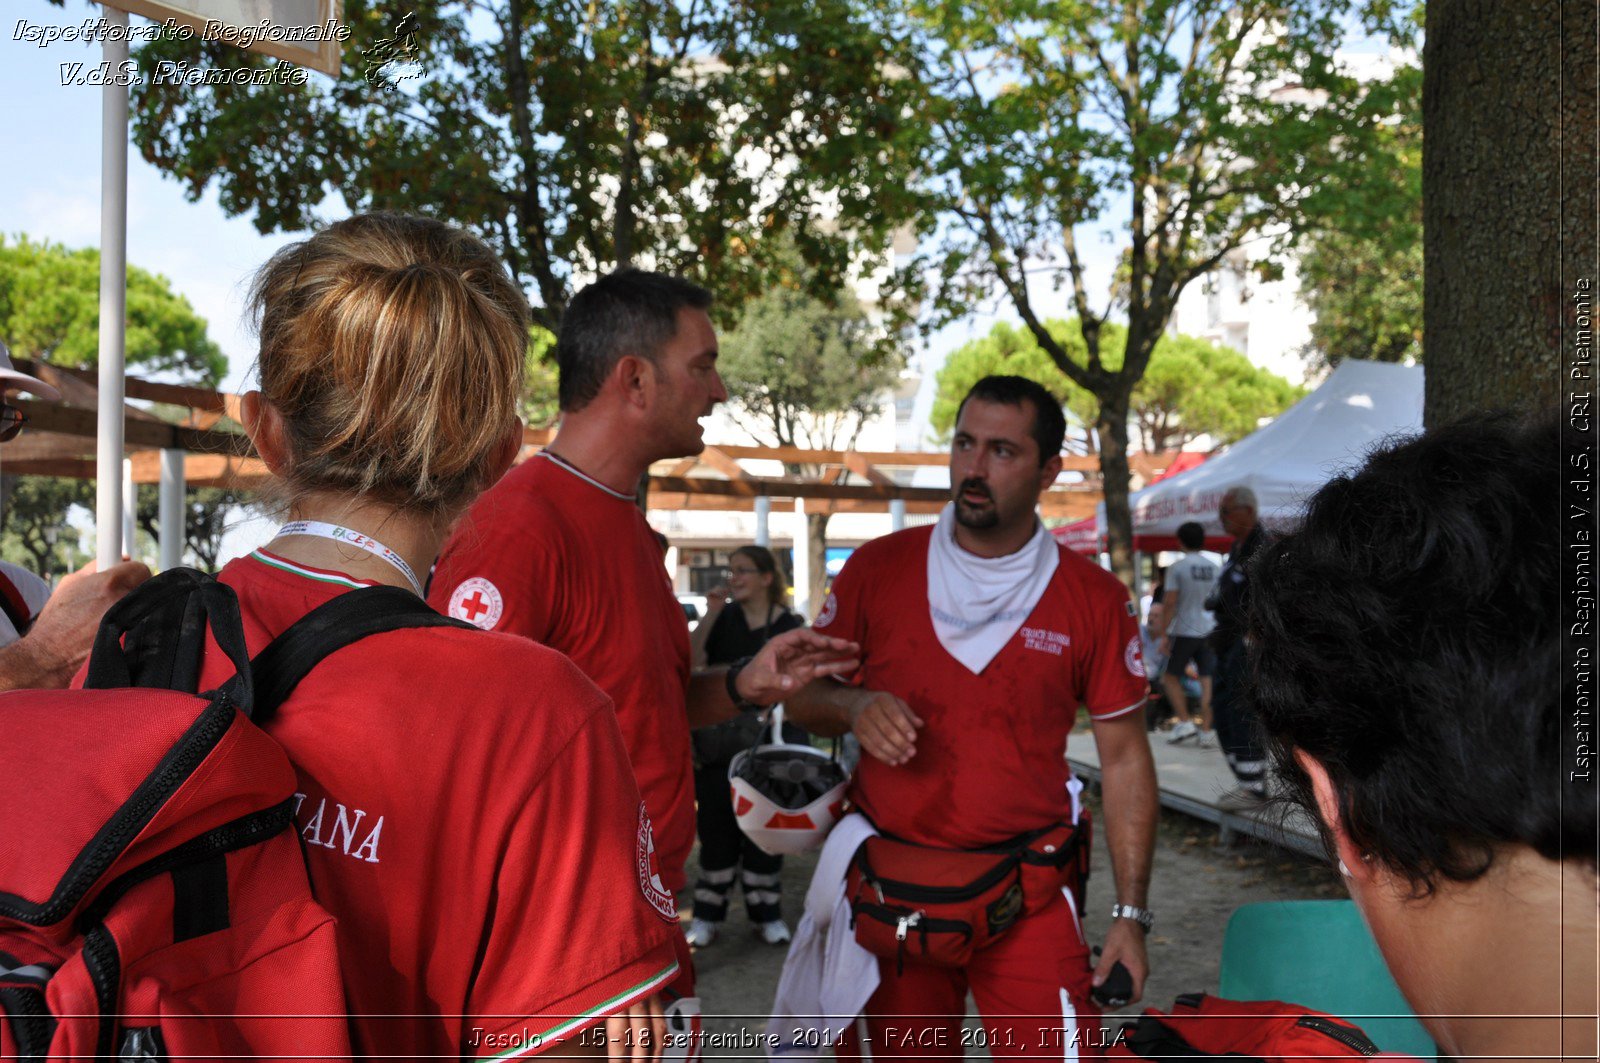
x=339, y=533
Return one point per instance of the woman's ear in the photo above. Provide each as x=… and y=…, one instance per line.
x=264, y=425
x=1352, y=863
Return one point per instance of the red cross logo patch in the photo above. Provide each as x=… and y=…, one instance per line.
x=1133, y=657
x=478, y=602
x=649, y=867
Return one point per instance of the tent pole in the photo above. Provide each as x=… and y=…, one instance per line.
x=113, y=290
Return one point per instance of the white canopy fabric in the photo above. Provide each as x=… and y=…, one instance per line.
x=1327, y=432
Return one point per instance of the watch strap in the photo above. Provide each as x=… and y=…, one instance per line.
x=1143, y=916
x=731, y=678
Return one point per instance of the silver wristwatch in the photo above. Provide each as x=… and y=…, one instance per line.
x=1143, y=916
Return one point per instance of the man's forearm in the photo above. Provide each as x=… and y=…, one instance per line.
x=825, y=707
x=708, y=700
x=1132, y=809
x=23, y=669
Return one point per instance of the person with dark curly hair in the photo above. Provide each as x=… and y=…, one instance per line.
x=1406, y=648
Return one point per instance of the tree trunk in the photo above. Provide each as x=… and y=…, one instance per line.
x=817, y=540
x=1508, y=106
x=1112, y=425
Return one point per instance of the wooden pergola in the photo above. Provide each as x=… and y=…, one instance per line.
x=204, y=446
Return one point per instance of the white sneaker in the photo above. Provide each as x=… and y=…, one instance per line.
x=775, y=932
x=1242, y=799
x=701, y=932
x=1206, y=740
x=1182, y=732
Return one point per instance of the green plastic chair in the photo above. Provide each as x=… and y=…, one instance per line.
x=1319, y=954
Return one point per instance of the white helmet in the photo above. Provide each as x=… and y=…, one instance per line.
x=786, y=796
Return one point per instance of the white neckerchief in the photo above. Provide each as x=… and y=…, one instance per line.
x=978, y=603
x=360, y=540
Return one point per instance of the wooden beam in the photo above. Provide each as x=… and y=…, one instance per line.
x=892, y=458
x=195, y=398
x=72, y=468
x=733, y=504
x=857, y=463
x=74, y=421
x=724, y=463
x=803, y=456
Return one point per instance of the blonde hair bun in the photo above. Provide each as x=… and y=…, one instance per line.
x=393, y=346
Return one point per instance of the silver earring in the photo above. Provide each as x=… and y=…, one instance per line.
x=1344, y=869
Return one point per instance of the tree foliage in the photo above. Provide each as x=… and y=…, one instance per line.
x=1191, y=387
x=50, y=310
x=804, y=372
x=540, y=405
x=1363, y=276
x=35, y=513
x=1184, y=129
x=207, y=513
x=673, y=134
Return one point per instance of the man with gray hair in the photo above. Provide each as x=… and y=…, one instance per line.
x=1236, y=722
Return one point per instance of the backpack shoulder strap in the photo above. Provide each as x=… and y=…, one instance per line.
x=156, y=636
x=330, y=627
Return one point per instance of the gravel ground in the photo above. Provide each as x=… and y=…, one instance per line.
x=1195, y=886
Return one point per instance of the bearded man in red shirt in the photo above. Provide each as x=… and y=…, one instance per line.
x=981, y=637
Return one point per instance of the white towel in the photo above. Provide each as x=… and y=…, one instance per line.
x=978, y=603
x=827, y=977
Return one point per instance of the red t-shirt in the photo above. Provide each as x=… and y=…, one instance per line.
x=551, y=555
x=468, y=819
x=990, y=760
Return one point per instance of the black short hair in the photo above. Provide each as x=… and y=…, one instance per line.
x=631, y=311
x=1407, y=637
x=1192, y=535
x=1049, y=424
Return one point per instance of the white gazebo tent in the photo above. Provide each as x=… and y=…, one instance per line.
x=1329, y=431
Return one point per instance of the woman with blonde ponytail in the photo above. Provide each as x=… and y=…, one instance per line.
x=467, y=806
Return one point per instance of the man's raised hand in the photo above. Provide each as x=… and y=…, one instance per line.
x=793, y=659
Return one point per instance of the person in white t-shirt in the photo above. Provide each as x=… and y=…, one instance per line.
x=1185, y=624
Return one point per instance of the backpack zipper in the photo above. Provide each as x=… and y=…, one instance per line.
x=237, y=834
x=101, y=960
x=1350, y=1038
x=135, y=813
x=31, y=1022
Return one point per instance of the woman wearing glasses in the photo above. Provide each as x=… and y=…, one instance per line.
x=740, y=617
x=468, y=804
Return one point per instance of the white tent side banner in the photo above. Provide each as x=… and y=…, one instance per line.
x=303, y=32
x=1329, y=431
